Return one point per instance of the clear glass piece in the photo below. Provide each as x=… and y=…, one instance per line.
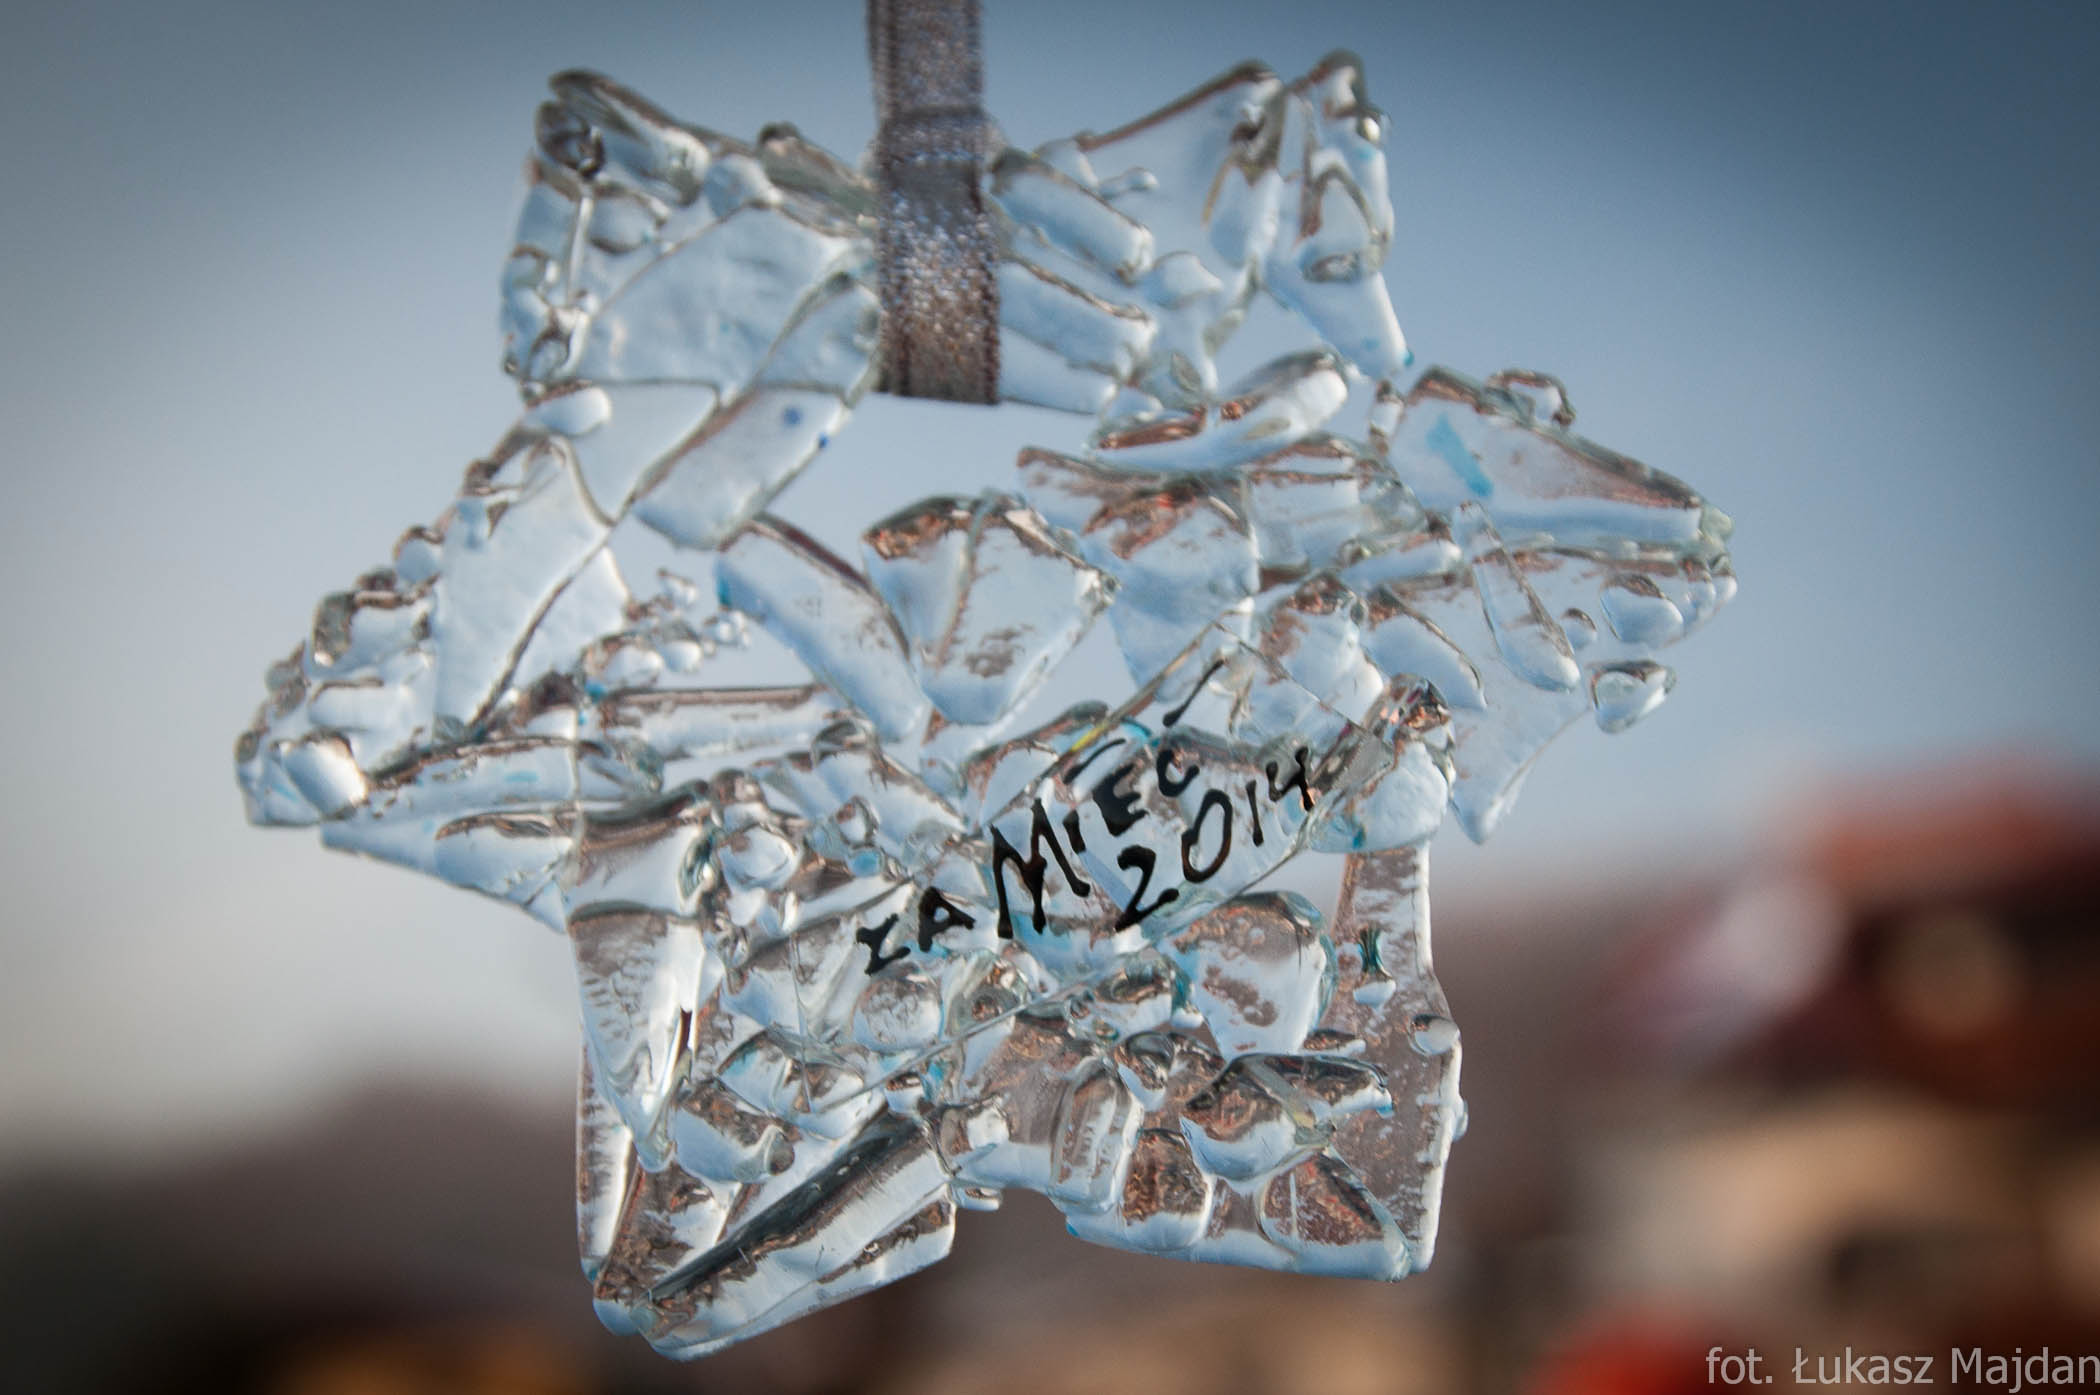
x=863, y=933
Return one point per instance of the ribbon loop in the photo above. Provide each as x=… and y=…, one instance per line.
x=934, y=246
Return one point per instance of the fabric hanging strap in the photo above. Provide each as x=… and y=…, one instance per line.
x=934, y=245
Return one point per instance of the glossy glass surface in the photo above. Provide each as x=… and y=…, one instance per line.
x=873, y=943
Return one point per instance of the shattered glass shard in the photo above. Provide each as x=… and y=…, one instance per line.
x=825, y=611
x=865, y=936
x=987, y=598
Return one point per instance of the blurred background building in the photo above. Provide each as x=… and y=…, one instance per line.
x=1782, y=1010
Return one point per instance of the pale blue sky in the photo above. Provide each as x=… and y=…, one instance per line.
x=1834, y=265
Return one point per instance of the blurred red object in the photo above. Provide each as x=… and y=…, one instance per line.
x=1941, y=931
x=1626, y=1356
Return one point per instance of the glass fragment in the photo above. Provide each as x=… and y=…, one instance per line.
x=872, y=936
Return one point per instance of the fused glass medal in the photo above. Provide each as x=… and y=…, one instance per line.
x=862, y=949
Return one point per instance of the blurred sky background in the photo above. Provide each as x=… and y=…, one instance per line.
x=1832, y=264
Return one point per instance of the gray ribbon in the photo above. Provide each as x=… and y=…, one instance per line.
x=934, y=245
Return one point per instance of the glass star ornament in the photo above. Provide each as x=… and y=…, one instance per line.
x=863, y=948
